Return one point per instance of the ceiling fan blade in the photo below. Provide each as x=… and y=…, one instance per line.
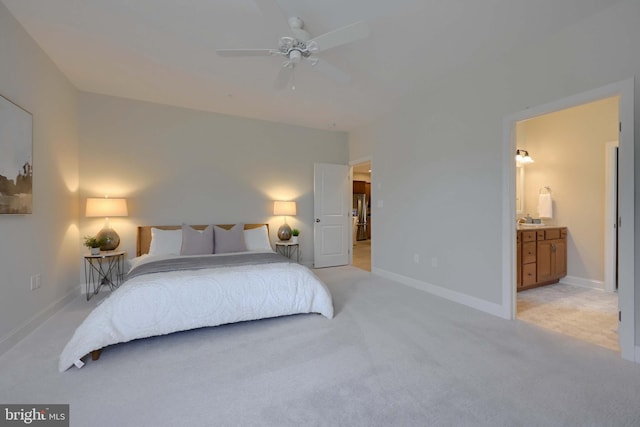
x=246, y=52
x=284, y=77
x=332, y=71
x=350, y=33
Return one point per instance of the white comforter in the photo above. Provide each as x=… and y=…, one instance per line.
x=162, y=303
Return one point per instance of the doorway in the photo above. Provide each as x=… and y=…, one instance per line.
x=569, y=148
x=361, y=216
x=624, y=90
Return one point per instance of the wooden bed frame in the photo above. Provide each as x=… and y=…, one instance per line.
x=143, y=242
x=143, y=238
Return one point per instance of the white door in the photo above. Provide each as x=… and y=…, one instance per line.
x=332, y=210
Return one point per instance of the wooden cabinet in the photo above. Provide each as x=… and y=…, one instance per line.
x=359, y=187
x=541, y=257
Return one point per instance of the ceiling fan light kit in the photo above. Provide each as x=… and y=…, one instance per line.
x=302, y=47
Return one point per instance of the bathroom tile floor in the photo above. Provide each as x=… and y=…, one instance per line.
x=587, y=314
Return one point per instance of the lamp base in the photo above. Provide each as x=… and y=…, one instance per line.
x=284, y=232
x=111, y=237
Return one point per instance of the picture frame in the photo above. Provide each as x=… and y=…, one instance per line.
x=16, y=159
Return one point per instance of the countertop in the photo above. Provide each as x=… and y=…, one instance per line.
x=537, y=227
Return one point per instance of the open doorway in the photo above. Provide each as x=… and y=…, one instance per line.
x=361, y=216
x=570, y=173
x=626, y=254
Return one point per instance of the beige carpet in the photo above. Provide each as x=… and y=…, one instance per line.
x=362, y=255
x=587, y=314
x=392, y=356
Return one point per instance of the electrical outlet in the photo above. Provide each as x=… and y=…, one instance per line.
x=416, y=258
x=35, y=282
x=434, y=262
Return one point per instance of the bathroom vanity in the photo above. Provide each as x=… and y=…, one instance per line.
x=541, y=255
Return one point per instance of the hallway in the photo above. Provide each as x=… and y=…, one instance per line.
x=362, y=255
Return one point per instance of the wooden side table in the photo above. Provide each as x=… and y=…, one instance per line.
x=288, y=249
x=105, y=269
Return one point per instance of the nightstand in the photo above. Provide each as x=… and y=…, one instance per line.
x=105, y=269
x=288, y=249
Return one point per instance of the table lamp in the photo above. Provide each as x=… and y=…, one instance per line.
x=284, y=208
x=107, y=207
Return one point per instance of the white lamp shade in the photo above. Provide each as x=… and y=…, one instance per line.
x=282, y=208
x=106, y=207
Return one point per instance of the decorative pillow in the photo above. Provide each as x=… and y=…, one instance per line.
x=196, y=242
x=229, y=240
x=165, y=242
x=257, y=239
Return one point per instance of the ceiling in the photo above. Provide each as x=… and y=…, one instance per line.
x=163, y=51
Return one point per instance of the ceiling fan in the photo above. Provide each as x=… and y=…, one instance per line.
x=300, y=46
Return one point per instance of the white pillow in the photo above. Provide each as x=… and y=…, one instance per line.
x=165, y=242
x=257, y=239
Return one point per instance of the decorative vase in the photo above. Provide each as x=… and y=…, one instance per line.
x=95, y=251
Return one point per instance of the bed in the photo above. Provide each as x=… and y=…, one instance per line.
x=165, y=292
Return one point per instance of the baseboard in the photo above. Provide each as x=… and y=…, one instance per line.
x=38, y=319
x=637, y=354
x=585, y=283
x=460, y=298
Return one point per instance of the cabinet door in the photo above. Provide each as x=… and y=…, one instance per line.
x=529, y=274
x=560, y=258
x=528, y=252
x=358, y=187
x=546, y=261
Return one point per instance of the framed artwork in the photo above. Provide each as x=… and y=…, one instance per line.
x=16, y=158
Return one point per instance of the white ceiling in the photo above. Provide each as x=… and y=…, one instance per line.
x=164, y=50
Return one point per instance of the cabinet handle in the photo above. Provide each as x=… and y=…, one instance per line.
x=553, y=247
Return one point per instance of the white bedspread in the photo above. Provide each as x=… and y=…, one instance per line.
x=162, y=303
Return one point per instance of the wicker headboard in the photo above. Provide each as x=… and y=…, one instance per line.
x=143, y=239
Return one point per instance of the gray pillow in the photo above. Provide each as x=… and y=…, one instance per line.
x=229, y=240
x=195, y=242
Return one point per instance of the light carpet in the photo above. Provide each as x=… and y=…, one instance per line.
x=393, y=355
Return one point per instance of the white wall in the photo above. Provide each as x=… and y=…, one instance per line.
x=569, y=151
x=438, y=158
x=178, y=165
x=45, y=242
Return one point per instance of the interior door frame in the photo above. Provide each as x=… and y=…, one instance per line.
x=626, y=279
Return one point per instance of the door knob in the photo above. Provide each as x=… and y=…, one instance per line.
x=317, y=219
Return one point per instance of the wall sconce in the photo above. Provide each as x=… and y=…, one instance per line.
x=284, y=209
x=522, y=157
x=106, y=208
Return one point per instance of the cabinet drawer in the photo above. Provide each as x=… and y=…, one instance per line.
x=554, y=233
x=528, y=252
x=528, y=236
x=540, y=235
x=518, y=237
x=563, y=233
x=528, y=274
